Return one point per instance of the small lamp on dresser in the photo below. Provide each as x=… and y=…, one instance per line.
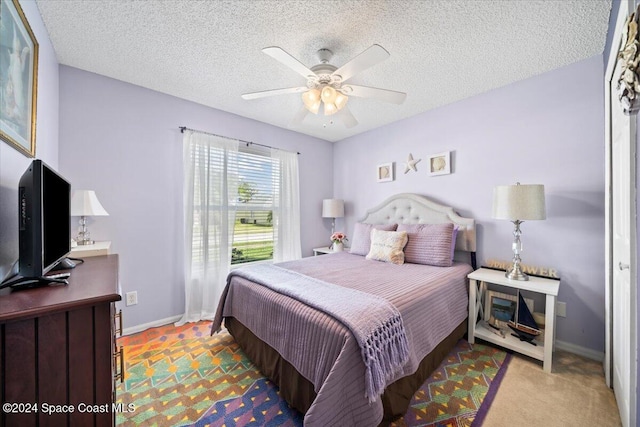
x=85, y=203
x=333, y=208
x=518, y=203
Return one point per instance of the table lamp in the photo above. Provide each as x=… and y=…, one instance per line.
x=85, y=203
x=518, y=203
x=333, y=208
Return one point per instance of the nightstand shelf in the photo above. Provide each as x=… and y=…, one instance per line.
x=478, y=281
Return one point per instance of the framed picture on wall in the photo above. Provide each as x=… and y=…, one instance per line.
x=18, y=79
x=384, y=172
x=440, y=164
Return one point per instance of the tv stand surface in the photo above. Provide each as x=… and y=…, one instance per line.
x=57, y=343
x=20, y=283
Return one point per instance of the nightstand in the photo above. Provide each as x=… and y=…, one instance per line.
x=322, y=251
x=478, y=281
x=326, y=250
x=84, y=251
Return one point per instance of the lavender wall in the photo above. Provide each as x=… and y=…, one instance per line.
x=13, y=163
x=123, y=142
x=545, y=130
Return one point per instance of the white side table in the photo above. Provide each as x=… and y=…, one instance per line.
x=321, y=251
x=97, y=249
x=478, y=281
x=325, y=250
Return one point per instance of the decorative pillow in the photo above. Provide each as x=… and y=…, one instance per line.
x=454, y=237
x=428, y=244
x=361, y=239
x=387, y=246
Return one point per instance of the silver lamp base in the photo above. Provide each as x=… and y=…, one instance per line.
x=83, y=238
x=516, y=273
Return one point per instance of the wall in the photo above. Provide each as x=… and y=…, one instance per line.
x=123, y=142
x=13, y=163
x=544, y=130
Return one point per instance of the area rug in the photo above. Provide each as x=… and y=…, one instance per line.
x=181, y=376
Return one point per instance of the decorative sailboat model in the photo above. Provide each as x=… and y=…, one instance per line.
x=525, y=327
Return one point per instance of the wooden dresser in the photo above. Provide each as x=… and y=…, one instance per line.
x=57, y=350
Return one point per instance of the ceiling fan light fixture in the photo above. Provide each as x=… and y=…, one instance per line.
x=330, y=108
x=328, y=95
x=341, y=100
x=311, y=100
x=314, y=108
x=310, y=97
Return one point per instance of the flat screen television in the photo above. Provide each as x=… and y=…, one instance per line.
x=44, y=228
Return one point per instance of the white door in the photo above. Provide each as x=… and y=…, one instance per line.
x=622, y=215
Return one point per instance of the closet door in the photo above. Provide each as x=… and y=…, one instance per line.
x=622, y=234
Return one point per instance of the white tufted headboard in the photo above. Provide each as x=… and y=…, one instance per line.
x=415, y=209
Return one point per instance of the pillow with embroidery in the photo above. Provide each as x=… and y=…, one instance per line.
x=387, y=246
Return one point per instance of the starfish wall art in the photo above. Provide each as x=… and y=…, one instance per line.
x=411, y=164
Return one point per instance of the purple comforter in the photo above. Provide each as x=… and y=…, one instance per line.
x=431, y=300
x=375, y=323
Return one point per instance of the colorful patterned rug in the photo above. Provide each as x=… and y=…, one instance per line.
x=179, y=376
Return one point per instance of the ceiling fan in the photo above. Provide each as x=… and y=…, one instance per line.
x=326, y=85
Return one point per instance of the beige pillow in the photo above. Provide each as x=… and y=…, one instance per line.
x=387, y=246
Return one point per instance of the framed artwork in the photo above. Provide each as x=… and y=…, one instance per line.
x=440, y=164
x=384, y=172
x=18, y=79
x=499, y=308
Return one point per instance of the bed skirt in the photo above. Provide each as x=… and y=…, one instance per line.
x=298, y=391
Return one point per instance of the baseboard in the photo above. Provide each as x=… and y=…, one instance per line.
x=579, y=350
x=155, y=323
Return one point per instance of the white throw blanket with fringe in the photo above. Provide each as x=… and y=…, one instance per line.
x=375, y=322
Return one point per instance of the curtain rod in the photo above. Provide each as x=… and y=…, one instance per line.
x=183, y=128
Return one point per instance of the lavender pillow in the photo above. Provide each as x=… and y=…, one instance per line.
x=361, y=239
x=454, y=237
x=428, y=244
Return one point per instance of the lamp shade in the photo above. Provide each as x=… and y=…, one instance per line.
x=86, y=203
x=519, y=202
x=332, y=208
x=311, y=99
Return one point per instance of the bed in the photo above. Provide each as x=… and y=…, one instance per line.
x=318, y=361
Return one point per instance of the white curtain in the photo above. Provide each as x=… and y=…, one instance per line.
x=286, y=212
x=210, y=198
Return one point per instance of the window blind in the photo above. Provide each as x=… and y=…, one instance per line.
x=258, y=183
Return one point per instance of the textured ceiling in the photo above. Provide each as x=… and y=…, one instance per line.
x=209, y=52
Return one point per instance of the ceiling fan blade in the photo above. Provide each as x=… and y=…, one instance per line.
x=265, y=93
x=299, y=117
x=280, y=55
x=347, y=117
x=372, y=92
x=366, y=59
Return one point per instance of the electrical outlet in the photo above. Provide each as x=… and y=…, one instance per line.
x=561, y=309
x=132, y=298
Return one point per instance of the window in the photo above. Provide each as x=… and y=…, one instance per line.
x=259, y=222
x=253, y=232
